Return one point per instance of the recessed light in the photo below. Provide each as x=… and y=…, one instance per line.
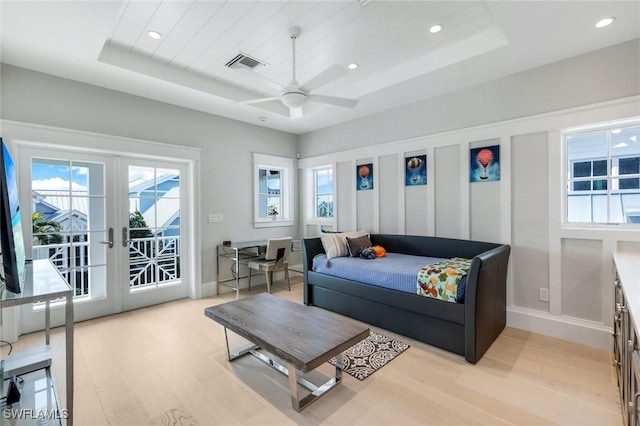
x=154, y=35
x=605, y=22
x=352, y=66
x=435, y=29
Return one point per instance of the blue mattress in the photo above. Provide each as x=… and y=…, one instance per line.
x=394, y=271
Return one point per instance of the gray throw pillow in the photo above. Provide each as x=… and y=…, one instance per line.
x=358, y=243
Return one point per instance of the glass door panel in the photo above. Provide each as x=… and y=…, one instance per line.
x=154, y=231
x=68, y=219
x=70, y=213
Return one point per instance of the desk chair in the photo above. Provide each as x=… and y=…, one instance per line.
x=275, y=259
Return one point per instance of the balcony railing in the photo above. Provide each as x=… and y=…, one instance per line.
x=152, y=261
x=71, y=260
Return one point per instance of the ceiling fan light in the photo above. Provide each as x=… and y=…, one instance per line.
x=294, y=99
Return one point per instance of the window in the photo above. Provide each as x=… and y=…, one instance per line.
x=273, y=191
x=603, y=174
x=269, y=200
x=589, y=169
x=323, y=192
x=629, y=166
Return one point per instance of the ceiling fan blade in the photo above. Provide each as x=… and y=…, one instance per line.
x=259, y=100
x=325, y=77
x=295, y=112
x=332, y=100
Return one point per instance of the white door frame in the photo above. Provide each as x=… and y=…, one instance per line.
x=18, y=134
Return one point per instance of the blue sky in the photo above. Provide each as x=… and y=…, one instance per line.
x=55, y=176
x=325, y=182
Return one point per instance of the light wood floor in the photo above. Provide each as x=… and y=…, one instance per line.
x=166, y=365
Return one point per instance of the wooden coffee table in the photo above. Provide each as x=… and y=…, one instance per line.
x=303, y=336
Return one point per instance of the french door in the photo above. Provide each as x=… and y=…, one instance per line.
x=152, y=236
x=111, y=225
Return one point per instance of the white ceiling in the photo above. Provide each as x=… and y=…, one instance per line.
x=105, y=43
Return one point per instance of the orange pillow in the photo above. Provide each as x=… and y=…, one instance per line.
x=379, y=251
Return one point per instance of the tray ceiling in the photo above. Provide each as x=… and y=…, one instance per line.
x=400, y=60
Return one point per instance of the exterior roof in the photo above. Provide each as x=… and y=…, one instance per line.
x=167, y=207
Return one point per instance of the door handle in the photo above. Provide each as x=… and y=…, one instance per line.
x=125, y=237
x=110, y=242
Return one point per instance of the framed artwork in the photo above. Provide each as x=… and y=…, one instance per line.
x=364, y=176
x=415, y=170
x=485, y=164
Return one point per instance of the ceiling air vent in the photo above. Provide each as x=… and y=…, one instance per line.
x=245, y=61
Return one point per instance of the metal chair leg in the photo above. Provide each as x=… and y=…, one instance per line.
x=286, y=273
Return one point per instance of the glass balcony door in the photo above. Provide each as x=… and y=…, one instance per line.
x=153, y=232
x=70, y=214
x=110, y=225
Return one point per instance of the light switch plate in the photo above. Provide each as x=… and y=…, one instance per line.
x=215, y=217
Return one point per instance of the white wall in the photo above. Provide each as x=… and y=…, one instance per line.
x=529, y=219
x=447, y=179
x=524, y=208
x=389, y=169
x=226, y=170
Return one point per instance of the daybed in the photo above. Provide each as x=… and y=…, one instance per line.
x=467, y=328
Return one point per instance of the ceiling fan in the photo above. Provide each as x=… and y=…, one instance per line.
x=294, y=95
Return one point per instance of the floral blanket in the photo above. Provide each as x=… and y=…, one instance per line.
x=440, y=280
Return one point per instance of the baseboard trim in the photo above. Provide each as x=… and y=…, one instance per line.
x=574, y=330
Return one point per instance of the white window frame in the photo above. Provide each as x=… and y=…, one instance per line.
x=310, y=198
x=287, y=194
x=612, y=176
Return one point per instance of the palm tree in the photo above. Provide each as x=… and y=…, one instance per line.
x=138, y=227
x=44, y=230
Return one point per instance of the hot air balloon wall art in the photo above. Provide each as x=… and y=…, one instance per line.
x=485, y=164
x=364, y=176
x=415, y=170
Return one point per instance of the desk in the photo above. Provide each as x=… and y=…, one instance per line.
x=242, y=253
x=43, y=283
x=238, y=253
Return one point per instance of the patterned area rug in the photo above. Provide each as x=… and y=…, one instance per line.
x=370, y=355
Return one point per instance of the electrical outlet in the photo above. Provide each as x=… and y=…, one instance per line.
x=544, y=294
